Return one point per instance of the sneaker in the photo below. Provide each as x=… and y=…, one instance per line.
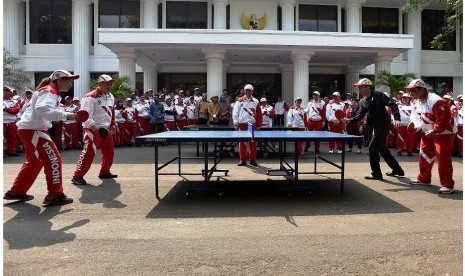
x=349, y=150
x=241, y=163
x=396, y=174
x=418, y=182
x=253, y=164
x=109, y=175
x=331, y=151
x=445, y=190
x=374, y=177
x=359, y=151
x=78, y=181
x=57, y=200
x=339, y=151
x=12, y=196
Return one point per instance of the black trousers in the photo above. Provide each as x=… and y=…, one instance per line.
x=378, y=147
x=279, y=120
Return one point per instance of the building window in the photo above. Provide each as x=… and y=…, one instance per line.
x=184, y=81
x=380, y=20
x=280, y=20
x=50, y=21
x=432, y=24
x=440, y=85
x=160, y=16
x=318, y=18
x=228, y=17
x=119, y=13
x=186, y=15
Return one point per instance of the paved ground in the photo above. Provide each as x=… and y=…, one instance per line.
x=117, y=227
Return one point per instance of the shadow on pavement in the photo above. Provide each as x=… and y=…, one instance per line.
x=105, y=193
x=263, y=198
x=405, y=186
x=32, y=228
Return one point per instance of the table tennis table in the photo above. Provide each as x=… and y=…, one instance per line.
x=214, y=137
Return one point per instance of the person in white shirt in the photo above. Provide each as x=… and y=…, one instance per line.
x=296, y=117
x=11, y=109
x=100, y=104
x=39, y=147
x=143, y=118
x=70, y=129
x=280, y=108
x=315, y=117
x=458, y=123
x=404, y=138
x=335, y=112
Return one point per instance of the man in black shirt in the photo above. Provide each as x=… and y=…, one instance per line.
x=374, y=104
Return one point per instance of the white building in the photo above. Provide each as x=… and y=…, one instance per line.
x=304, y=45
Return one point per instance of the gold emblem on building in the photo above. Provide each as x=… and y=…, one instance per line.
x=252, y=23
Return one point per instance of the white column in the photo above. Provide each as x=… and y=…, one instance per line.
x=301, y=74
x=214, y=71
x=81, y=44
x=127, y=66
x=414, y=54
x=150, y=14
x=219, y=20
x=383, y=63
x=287, y=17
x=352, y=76
x=287, y=82
x=150, y=77
x=354, y=16
x=11, y=26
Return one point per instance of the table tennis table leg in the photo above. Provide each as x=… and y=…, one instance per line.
x=296, y=164
x=156, y=171
x=179, y=158
x=343, y=159
x=206, y=172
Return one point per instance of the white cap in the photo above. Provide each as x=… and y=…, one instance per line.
x=16, y=97
x=66, y=98
x=263, y=100
x=337, y=94
x=104, y=78
x=363, y=81
x=416, y=83
x=316, y=93
x=406, y=95
x=75, y=99
x=62, y=74
x=248, y=86
x=8, y=88
x=459, y=96
x=128, y=99
x=298, y=98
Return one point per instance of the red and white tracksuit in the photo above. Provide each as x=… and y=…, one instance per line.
x=170, y=122
x=316, y=111
x=101, y=115
x=10, y=131
x=434, y=114
x=38, y=146
x=268, y=116
x=130, y=114
x=297, y=117
x=190, y=112
x=247, y=110
x=72, y=138
x=458, y=123
x=181, y=118
x=143, y=118
x=334, y=113
x=120, y=128
x=405, y=139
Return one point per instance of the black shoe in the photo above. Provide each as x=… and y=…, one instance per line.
x=57, y=200
x=12, y=196
x=306, y=149
x=78, y=181
x=374, y=177
x=253, y=164
x=241, y=163
x=110, y=175
x=396, y=174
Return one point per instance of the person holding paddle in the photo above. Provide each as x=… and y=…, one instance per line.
x=42, y=109
x=335, y=112
x=374, y=104
x=100, y=104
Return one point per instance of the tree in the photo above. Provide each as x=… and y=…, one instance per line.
x=454, y=17
x=121, y=87
x=13, y=74
x=395, y=82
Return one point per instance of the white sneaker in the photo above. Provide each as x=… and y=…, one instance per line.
x=339, y=151
x=445, y=190
x=331, y=151
x=359, y=152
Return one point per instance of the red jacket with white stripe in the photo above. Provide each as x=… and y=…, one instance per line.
x=101, y=109
x=432, y=114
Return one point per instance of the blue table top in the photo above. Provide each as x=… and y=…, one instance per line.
x=245, y=136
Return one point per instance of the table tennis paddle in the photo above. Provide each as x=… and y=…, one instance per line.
x=339, y=114
x=103, y=132
x=411, y=127
x=82, y=116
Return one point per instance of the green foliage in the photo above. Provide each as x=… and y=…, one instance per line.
x=395, y=82
x=13, y=74
x=454, y=18
x=121, y=87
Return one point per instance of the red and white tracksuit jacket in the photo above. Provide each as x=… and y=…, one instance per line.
x=190, y=113
x=132, y=127
x=334, y=113
x=181, y=116
x=404, y=138
x=247, y=110
x=72, y=138
x=434, y=114
x=143, y=118
x=169, y=119
x=101, y=110
x=316, y=111
x=40, y=150
x=11, y=109
x=297, y=117
x=458, y=125
x=268, y=118
x=120, y=128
